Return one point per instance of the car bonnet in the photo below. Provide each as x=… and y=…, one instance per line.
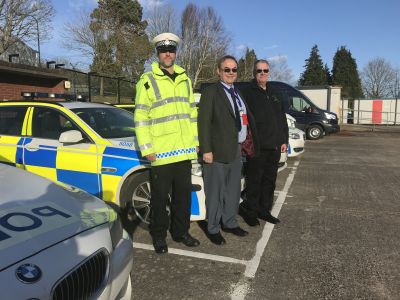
x=36, y=213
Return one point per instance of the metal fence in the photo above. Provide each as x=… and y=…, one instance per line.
x=93, y=87
x=387, y=114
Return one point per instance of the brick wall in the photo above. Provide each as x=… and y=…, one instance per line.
x=12, y=85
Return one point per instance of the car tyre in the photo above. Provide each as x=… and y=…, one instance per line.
x=136, y=195
x=314, y=132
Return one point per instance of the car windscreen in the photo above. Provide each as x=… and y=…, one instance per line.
x=108, y=122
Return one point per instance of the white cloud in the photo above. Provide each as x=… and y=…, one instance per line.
x=278, y=58
x=241, y=47
x=150, y=4
x=271, y=47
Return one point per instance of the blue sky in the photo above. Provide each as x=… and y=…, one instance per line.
x=276, y=29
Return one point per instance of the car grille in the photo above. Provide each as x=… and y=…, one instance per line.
x=85, y=280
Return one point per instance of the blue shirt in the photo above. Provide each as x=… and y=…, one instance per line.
x=242, y=110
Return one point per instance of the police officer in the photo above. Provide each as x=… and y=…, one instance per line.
x=166, y=129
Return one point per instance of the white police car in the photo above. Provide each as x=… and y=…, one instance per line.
x=58, y=242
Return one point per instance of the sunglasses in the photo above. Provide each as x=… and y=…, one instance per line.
x=167, y=50
x=228, y=70
x=266, y=71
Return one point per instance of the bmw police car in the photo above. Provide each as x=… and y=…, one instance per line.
x=59, y=242
x=88, y=145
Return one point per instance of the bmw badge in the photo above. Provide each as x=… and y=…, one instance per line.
x=28, y=273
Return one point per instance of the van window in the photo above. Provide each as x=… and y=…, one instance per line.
x=12, y=119
x=298, y=102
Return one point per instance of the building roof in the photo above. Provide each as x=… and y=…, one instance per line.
x=31, y=71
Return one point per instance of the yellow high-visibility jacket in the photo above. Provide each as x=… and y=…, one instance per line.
x=166, y=116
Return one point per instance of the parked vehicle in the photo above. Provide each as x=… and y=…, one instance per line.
x=296, y=138
x=88, y=145
x=59, y=242
x=314, y=121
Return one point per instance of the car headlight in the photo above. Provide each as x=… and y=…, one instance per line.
x=197, y=169
x=294, y=136
x=330, y=116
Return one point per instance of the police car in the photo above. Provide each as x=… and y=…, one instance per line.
x=88, y=145
x=296, y=138
x=59, y=242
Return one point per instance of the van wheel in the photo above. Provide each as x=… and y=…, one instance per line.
x=314, y=132
x=136, y=195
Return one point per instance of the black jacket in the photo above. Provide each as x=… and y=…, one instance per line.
x=269, y=115
x=216, y=124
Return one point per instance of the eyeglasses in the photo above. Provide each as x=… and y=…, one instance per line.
x=228, y=70
x=167, y=50
x=266, y=71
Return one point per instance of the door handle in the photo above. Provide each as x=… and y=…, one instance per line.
x=32, y=147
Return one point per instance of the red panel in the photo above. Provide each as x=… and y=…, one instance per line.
x=376, y=111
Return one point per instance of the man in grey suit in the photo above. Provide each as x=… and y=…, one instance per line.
x=223, y=124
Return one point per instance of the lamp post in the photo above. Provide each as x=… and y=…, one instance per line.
x=38, y=36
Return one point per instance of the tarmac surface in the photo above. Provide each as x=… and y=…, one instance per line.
x=339, y=205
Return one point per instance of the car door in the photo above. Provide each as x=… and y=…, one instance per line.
x=12, y=132
x=75, y=164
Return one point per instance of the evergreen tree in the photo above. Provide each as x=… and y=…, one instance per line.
x=121, y=44
x=328, y=75
x=314, y=73
x=245, y=65
x=345, y=74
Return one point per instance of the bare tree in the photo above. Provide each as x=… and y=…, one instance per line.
x=280, y=70
x=204, y=40
x=378, y=78
x=20, y=20
x=161, y=19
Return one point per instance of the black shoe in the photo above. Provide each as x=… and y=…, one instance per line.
x=236, y=231
x=216, y=238
x=269, y=218
x=160, y=246
x=187, y=240
x=250, y=220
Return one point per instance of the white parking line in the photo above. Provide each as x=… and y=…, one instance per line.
x=194, y=254
x=240, y=290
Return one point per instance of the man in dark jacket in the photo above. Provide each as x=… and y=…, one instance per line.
x=272, y=135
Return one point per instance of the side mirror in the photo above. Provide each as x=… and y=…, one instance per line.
x=70, y=137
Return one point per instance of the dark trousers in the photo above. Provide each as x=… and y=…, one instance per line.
x=261, y=173
x=174, y=179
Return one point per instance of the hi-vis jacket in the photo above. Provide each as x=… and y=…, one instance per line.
x=166, y=116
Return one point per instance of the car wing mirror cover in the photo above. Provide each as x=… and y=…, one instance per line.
x=70, y=137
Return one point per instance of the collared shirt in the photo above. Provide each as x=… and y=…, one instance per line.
x=242, y=110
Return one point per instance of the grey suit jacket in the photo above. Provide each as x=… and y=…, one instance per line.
x=216, y=124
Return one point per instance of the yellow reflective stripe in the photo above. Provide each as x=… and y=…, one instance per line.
x=145, y=146
x=162, y=120
x=155, y=87
x=188, y=86
x=142, y=106
x=27, y=125
x=169, y=100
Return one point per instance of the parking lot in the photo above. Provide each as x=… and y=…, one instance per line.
x=338, y=237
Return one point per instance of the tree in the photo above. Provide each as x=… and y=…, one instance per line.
x=328, y=74
x=161, y=19
x=246, y=64
x=345, y=74
x=280, y=71
x=18, y=21
x=379, y=78
x=114, y=37
x=204, y=40
x=314, y=73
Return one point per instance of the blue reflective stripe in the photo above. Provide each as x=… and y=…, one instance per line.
x=19, y=153
x=289, y=149
x=121, y=152
x=195, y=204
x=122, y=165
x=41, y=158
x=88, y=182
x=175, y=152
